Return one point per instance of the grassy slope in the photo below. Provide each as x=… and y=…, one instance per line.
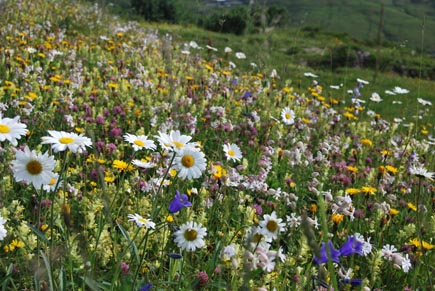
x=285, y=50
x=403, y=20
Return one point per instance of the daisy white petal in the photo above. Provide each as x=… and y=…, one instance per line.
x=190, y=236
x=32, y=167
x=140, y=142
x=11, y=129
x=232, y=152
x=141, y=221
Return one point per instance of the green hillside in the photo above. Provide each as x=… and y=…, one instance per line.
x=403, y=20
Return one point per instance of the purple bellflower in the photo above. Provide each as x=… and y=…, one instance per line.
x=179, y=202
x=351, y=246
x=324, y=255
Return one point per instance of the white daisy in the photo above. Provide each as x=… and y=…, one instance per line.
x=240, y=55
x=173, y=141
x=311, y=75
x=3, y=232
x=288, y=116
x=190, y=236
x=143, y=164
x=270, y=226
x=140, y=142
x=361, y=81
x=61, y=141
x=32, y=167
x=399, y=90
x=376, y=98
x=11, y=129
x=140, y=221
x=189, y=163
x=421, y=172
x=424, y=102
x=232, y=152
x=51, y=186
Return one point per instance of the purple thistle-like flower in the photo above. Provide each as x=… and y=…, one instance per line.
x=351, y=246
x=179, y=202
x=324, y=255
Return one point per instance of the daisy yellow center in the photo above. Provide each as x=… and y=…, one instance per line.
x=52, y=182
x=4, y=128
x=34, y=167
x=66, y=140
x=188, y=161
x=272, y=226
x=139, y=143
x=178, y=144
x=190, y=234
x=288, y=115
x=256, y=238
x=142, y=220
x=231, y=153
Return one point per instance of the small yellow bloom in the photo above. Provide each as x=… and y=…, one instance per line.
x=368, y=190
x=394, y=212
x=416, y=242
x=391, y=169
x=313, y=208
x=352, y=191
x=352, y=169
x=366, y=141
x=412, y=206
x=121, y=165
x=169, y=219
x=337, y=218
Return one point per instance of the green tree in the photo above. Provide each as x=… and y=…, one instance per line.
x=156, y=10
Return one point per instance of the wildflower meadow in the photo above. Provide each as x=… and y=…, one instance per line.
x=135, y=162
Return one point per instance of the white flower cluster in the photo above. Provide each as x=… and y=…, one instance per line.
x=3, y=231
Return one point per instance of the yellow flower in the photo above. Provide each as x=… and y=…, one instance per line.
x=391, y=169
x=169, y=219
x=385, y=152
x=352, y=191
x=337, y=218
x=218, y=172
x=368, y=190
x=366, y=141
x=313, y=208
x=416, y=242
x=412, y=206
x=109, y=179
x=352, y=169
x=17, y=243
x=287, y=90
x=122, y=166
x=394, y=212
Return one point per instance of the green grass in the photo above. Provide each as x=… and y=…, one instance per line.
x=285, y=51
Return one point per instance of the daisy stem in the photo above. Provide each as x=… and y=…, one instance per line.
x=419, y=232
x=142, y=258
x=156, y=210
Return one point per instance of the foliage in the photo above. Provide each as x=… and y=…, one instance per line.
x=156, y=10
